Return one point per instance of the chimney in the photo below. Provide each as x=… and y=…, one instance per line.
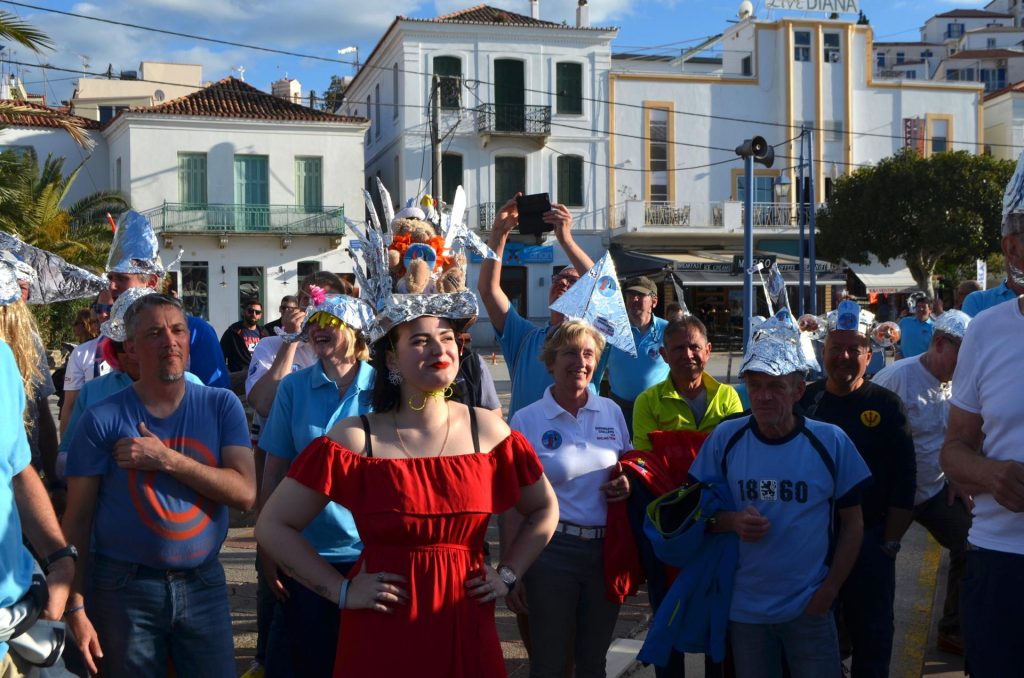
x=535, y=9
x=582, y=14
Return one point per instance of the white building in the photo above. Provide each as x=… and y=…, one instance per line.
x=1004, y=122
x=521, y=107
x=252, y=188
x=675, y=175
x=949, y=27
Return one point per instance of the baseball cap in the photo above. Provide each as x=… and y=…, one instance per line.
x=641, y=284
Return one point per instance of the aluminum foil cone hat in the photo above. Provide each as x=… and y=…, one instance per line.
x=353, y=312
x=596, y=299
x=954, y=323
x=113, y=327
x=135, y=248
x=776, y=348
x=10, y=291
x=52, y=278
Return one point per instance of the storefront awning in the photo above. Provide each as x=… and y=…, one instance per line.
x=893, y=278
x=715, y=268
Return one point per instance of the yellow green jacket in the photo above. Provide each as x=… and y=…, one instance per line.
x=661, y=408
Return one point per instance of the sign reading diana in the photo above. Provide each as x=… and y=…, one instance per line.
x=839, y=6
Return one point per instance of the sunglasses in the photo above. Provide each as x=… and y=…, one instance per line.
x=102, y=308
x=254, y=310
x=325, y=320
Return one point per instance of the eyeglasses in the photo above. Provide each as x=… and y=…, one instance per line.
x=854, y=351
x=102, y=308
x=325, y=320
x=282, y=309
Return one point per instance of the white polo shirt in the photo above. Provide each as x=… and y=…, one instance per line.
x=578, y=453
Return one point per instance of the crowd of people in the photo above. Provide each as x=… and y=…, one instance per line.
x=765, y=521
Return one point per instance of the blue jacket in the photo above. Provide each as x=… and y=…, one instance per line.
x=694, y=615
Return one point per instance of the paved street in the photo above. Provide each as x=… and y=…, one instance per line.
x=919, y=590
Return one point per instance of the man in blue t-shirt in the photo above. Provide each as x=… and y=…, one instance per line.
x=152, y=471
x=629, y=376
x=916, y=330
x=788, y=476
x=521, y=340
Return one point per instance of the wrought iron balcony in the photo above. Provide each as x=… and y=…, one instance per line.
x=255, y=219
x=513, y=120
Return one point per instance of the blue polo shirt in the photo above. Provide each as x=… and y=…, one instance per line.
x=307, y=406
x=521, y=343
x=629, y=376
x=915, y=335
x=15, y=559
x=978, y=301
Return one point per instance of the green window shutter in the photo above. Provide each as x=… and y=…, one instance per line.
x=451, y=176
x=309, y=184
x=569, y=85
x=570, y=180
x=192, y=179
x=449, y=70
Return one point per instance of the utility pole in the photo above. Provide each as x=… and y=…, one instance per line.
x=435, y=138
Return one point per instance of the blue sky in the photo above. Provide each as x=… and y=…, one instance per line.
x=321, y=27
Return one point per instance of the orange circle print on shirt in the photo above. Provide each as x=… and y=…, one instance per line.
x=176, y=525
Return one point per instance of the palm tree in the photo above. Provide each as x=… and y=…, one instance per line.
x=31, y=201
x=14, y=29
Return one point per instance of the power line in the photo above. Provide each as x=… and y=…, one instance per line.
x=621, y=104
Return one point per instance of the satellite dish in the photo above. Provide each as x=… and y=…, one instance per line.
x=746, y=10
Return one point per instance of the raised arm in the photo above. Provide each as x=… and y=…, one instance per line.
x=489, y=283
x=561, y=219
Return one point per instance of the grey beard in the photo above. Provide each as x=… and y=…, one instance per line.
x=1015, y=274
x=171, y=377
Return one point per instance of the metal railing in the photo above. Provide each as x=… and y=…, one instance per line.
x=710, y=215
x=263, y=219
x=513, y=119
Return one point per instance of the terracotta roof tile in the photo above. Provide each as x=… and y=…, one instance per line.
x=972, y=14
x=30, y=120
x=232, y=98
x=486, y=14
x=1015, y=87
x=987, y=54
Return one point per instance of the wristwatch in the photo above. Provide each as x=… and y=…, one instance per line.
x=67, y=552
x=508, y=577
x=891, y=547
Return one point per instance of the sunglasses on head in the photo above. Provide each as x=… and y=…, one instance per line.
x=102, y=308
x=325, y=320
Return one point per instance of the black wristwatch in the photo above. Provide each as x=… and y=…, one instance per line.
x=67, y=552
x=508, y=577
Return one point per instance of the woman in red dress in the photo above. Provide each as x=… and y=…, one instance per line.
x=422, y=476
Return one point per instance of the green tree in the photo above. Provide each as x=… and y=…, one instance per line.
x=32, y=208
x=944, y=210
x=334, y=93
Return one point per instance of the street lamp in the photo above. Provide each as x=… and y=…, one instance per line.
x=751, y=150
x=351, y=49
x=782, y=186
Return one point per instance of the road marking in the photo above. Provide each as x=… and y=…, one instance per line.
x=915, y=638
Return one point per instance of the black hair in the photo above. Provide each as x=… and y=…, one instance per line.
x=387, y=396
x=689, y=322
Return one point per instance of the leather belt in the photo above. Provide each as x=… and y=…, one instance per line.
x=580, y=531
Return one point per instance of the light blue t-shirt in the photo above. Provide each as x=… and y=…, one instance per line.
x=521, y=343
x=151, y=518
x=789, y=482
x=629, y=376
x=915, y=335
x=979, y=300
x=307, y=406
x=15, y=559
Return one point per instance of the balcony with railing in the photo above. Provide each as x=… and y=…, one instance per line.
x=513, y=120
x=247, y=219
x=667, y=218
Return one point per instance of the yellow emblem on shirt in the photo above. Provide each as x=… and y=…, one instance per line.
x=870, y=418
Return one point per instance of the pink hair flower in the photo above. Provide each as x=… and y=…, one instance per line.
x=317, y=294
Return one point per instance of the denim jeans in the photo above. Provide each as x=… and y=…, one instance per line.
x=809, y=644
x=865, y=603
x=148, y=619
x=303, y=638
x=949, y=525
x=993, y=598
x=570, y=616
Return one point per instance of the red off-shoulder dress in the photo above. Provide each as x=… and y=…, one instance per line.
x=425, y=519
